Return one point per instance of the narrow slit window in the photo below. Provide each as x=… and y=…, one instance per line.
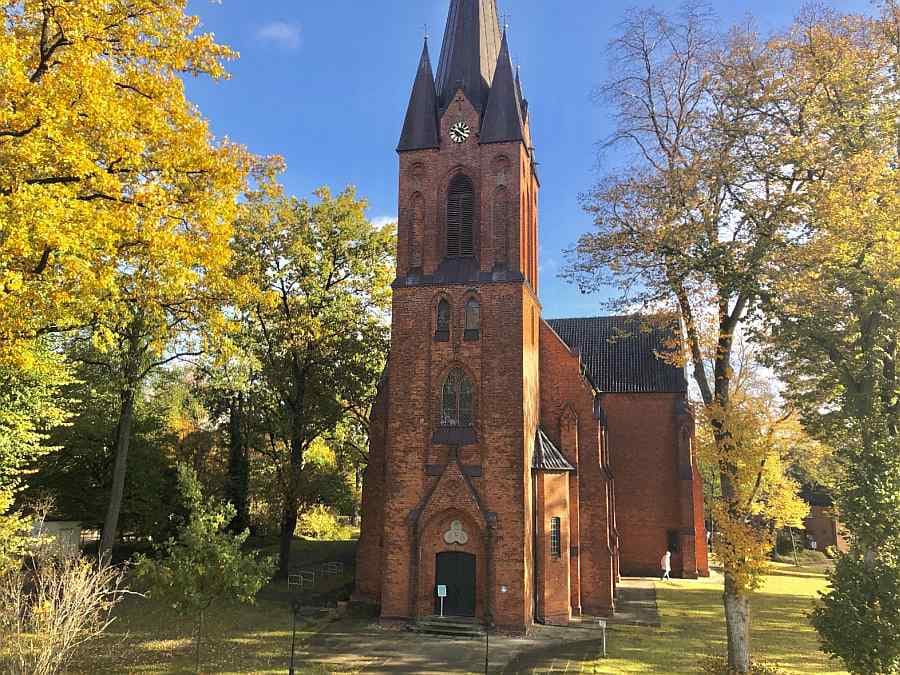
x=442, y=329
x=473, y=320
x=555, y=537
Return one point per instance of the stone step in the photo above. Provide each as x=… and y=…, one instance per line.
x=459, y=628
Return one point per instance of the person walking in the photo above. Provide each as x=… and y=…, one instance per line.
x=666, y=565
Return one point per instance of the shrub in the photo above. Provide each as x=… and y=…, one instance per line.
x=205, y=564
x=718, y=665
x=859, y=618
x=783, y=544
x=831, y=552
x=50, y=608
x=320, y=522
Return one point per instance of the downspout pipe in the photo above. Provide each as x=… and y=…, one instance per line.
x=535, y=555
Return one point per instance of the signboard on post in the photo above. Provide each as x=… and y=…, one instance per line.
x=442, y=593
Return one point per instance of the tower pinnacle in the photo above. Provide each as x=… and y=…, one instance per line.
x=469, y=54
x=420, y=129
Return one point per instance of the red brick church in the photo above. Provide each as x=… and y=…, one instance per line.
x=520, y=464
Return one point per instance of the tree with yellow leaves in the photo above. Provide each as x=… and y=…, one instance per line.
x=766, y=439
x=116, y=202
x=719, y=184
x=102, y=156
x=835, y=313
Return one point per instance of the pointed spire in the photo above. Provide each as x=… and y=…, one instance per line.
x=522, y=100
x=420, y=130
x=469, y=53
x=503, y=119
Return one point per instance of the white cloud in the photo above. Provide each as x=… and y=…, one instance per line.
x=281, y=33
x=381, y=221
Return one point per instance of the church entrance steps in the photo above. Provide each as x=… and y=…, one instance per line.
x=456, y=627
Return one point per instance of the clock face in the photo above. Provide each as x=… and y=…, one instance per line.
x=459, y=132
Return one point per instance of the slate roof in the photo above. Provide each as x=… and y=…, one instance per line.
x=522, y=100
x=420, y=129
x=547, y=456
x=620, y=354
x=469, y=53
x=503, y=118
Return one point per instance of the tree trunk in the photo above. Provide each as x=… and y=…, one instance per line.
x=737, y=623
x=123, y=438
x=290, y=512
x=199, y=640
x=237, y=484
x=288, y=527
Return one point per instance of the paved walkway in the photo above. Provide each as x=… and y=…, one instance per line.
x=353, y=646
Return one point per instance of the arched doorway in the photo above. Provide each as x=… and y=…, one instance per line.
x=456, y=571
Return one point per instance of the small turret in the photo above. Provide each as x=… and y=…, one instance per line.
x=420, y=129
x=504, y=120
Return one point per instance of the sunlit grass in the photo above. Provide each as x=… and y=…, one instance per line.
x=693, y=627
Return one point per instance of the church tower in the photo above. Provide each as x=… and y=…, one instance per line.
x=449, y=498
x=516, y=466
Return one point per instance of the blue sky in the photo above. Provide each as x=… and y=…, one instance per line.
x=325, y=84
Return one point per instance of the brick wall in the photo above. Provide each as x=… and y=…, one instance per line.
x=656, y=494
x=554, y=602
x=567, y=395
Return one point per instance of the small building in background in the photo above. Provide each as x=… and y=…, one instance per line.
x=61, y=536
x=823, y=528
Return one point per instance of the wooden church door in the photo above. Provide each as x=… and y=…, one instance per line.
x=456, y=571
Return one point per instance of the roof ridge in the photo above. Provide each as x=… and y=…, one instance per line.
x=607, y=316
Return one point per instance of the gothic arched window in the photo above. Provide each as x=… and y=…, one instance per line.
x=457, y=397
x=473, y=319
x=460, y=218
x=442, y=326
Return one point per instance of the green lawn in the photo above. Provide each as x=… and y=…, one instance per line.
x=693, y=628
x=148, y=637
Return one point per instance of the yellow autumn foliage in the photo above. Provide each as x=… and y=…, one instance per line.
x=106, y=170
x=761, y=440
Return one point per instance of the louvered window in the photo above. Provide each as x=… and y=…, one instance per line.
x=460, y=218
x=457, y=400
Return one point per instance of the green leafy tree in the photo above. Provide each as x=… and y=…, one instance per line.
x=319, y=276
x=834, y=307
x=31, y=404
x=718, y=178
x=77, y=473
x=205, y=564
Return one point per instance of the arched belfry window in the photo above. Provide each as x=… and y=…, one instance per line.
x=473, y=319
x=457, y=400
x=442, y=325
x=460, y=218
